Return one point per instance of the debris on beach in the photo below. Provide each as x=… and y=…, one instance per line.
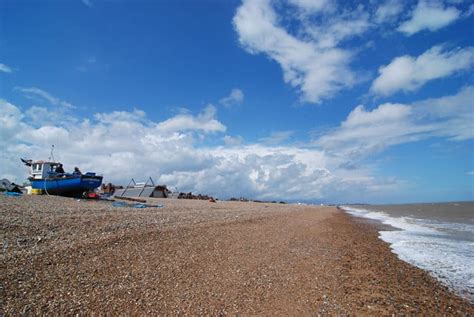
x=13, y=194
x=131, y=199
x=7, y=186
x=136, y=205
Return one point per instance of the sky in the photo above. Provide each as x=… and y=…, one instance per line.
x=300, y=100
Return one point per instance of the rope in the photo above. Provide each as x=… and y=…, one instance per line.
x=45, y=187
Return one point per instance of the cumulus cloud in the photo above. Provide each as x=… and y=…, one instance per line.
x=233, y=140
x=177, y=151
x=308, y=39
x=388, y=11
x=119, y=144
x=409, y=73
x=10, y=119
x=122, y=145
x=236, y=97
x=365, y=132
x=5, y=68
x=205, y=122
x=429, y=15
x=41, y=95
x=314, y=65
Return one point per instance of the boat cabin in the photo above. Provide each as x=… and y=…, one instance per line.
x=43, y=170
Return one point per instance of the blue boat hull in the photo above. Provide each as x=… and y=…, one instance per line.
x=71, y=186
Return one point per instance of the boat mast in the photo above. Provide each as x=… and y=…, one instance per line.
x=51, y=155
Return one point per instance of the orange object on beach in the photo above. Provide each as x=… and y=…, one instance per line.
x=92, y=196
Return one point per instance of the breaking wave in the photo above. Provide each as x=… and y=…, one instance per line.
x=444, y=249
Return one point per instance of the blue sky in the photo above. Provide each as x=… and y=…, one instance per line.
x=314, y=100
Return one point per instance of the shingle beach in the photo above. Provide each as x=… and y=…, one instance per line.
x=66, y=256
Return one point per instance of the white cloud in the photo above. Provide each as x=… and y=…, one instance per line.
x=121, y=116
x=312, y=6
x=429, y=15
x=453, y=116
x=409, y=73
x=176, y=152
x=388, y=11
x=122, y=145
x=38, y=116
x=317, y=68
x=233, y=140
x=39, y=94
x=46, y=135
x=5, y=68
x=366, y=132
x=10, y=120
x=338, y=28
x=205, y=122
x=277, y=137
x=236, y=97
x=310, y=43
x=469, y=12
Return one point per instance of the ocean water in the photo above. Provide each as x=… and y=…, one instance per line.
x=438, y=238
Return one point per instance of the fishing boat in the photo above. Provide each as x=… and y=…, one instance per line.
x=44, y=176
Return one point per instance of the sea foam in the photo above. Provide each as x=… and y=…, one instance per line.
x=444, y=249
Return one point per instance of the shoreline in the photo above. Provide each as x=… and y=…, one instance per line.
x=426, y=237
x=195, y=257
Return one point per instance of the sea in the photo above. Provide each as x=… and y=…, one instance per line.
x=436, y=237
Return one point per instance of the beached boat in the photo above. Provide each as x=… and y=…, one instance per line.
x=44, y=176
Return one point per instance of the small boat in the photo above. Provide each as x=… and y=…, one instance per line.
x=43, y=176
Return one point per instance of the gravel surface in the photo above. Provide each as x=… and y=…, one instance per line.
x=65, y=256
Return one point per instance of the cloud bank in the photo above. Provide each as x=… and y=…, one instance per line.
x=366, y=132
x=122, y=145
x=176, y=151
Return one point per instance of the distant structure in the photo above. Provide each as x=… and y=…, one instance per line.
x=147, y=189
x=150, y=190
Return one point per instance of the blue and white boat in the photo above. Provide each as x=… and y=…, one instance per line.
x=43, y=176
